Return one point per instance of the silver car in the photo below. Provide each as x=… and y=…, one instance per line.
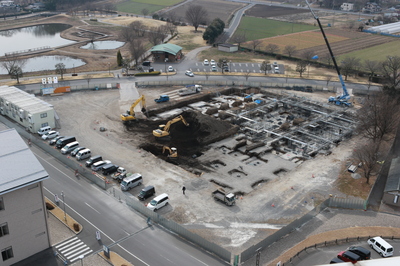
x=97, y=166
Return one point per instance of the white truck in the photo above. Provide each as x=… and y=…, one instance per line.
x=227, y=198
x=190, y=89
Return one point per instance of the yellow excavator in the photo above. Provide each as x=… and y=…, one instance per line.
x=173, y=152
x=129, y=116
x=163, y=130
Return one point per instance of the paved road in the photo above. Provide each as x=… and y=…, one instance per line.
x=126, y=231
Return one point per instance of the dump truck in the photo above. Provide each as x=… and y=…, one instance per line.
x=227, y=198
x=190, y=89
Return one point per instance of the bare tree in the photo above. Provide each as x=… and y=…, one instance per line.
x=145, y=11
x=328, y=78
x=138, y=28
x=272, y=48
x=367, y=155
x=301, y=67
x=196, y=14
x=307, y=54
x=12, y=62
x=136, y=49
x=156, y=35
x=391, y=69
x=372, y=67
x=61, y=69
x=289, y=50
x=172, y=29
x=247, y=75
x=327, y=59
x=207, y=74
x=239, y=38
x=349, y=66
x=16, y=73
x=88, y=78
x=255, y=44
x=126, y=34
x=378, y=118
x=265, y=66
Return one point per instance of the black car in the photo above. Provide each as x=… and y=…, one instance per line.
x=336, y=260
x=364, y=253
x=53, y=141
x=146, y=63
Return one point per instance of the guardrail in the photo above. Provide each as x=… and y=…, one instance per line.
x=33, y=50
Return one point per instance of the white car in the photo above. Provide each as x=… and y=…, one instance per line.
x=170, y=69
x=50, y=135
x=205, y=62
x=189, y=73
x=212, y=62
x=213, y=68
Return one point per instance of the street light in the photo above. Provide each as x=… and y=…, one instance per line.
x=81, y=258
x=65, y=215
x=166, y=60
x=108, y=68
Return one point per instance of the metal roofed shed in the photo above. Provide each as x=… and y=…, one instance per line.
x=227, y=47
x=392, y=189
x=169, y=51
x=26, y=109
x=19, y=167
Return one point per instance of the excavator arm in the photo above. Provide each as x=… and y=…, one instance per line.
x=130, y=115
x=163, y=130
x=173, y=152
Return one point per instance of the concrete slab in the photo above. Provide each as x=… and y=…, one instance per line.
x=170, y=114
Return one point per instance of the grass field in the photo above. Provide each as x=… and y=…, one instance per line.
x=259, y=28
x=376, y=53
x=136, y=7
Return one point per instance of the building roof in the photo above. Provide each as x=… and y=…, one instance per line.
x=393, y=180
x=227, y=45
x=166, y=47
x=19, y=167
x=23, y=100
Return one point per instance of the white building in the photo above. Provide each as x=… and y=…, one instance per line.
x=23, y=221
x=26, y=109
x=347, y=7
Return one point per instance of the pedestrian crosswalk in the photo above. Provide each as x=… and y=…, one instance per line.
x=173, y=95
x=73, y=249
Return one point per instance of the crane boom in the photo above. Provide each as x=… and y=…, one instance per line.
x=163, y=130
x=340, y=100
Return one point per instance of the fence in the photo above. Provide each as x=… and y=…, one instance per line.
x=90, y=87
x=27, y=51
x=330, y=202
x=298, y=255
x=171, y=225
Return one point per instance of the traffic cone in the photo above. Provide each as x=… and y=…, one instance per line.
x=313, y=176
x=272, y=205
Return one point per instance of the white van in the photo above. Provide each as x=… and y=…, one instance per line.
x=158, y=202
x=83, y=154
x=69, y=147
x=131, y=181
x=44, y=130
x=381, y=246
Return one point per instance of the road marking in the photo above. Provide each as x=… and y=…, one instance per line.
x=73, y=248
x=92, y=207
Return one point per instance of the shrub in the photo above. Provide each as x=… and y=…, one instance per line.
x=76, y=227
x=154, y=73
x=49, y=206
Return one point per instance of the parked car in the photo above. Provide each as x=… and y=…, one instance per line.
x=158, y=202
x=381, y=246
x=93, y=160
x=336, y=260
x=275, y=64
x=348, y=256
x=151, y=69
x=364, y=253
x=206, y=62
x=189, y=73
x=212, y=62
x=171, y=69
x=53, y=141
x=50, y=135
x=146, y=63
x=76, y=150
x=98, y=165
x=213, y=68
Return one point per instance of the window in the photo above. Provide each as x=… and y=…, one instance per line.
x=4, y=229
x=45, y=124
x=43, y=115
x=7, y=253
x=1, y=204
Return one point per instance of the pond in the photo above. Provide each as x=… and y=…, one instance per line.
x=103, y=45
x=32, y=37
x=41, y=63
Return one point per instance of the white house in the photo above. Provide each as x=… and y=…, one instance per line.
x=347, y=7
x=226, y=47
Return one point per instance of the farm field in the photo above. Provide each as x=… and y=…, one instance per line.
x=215, y=9
x=136, y=6
x=375, y=53
x=259, y=28
x=266, y=11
